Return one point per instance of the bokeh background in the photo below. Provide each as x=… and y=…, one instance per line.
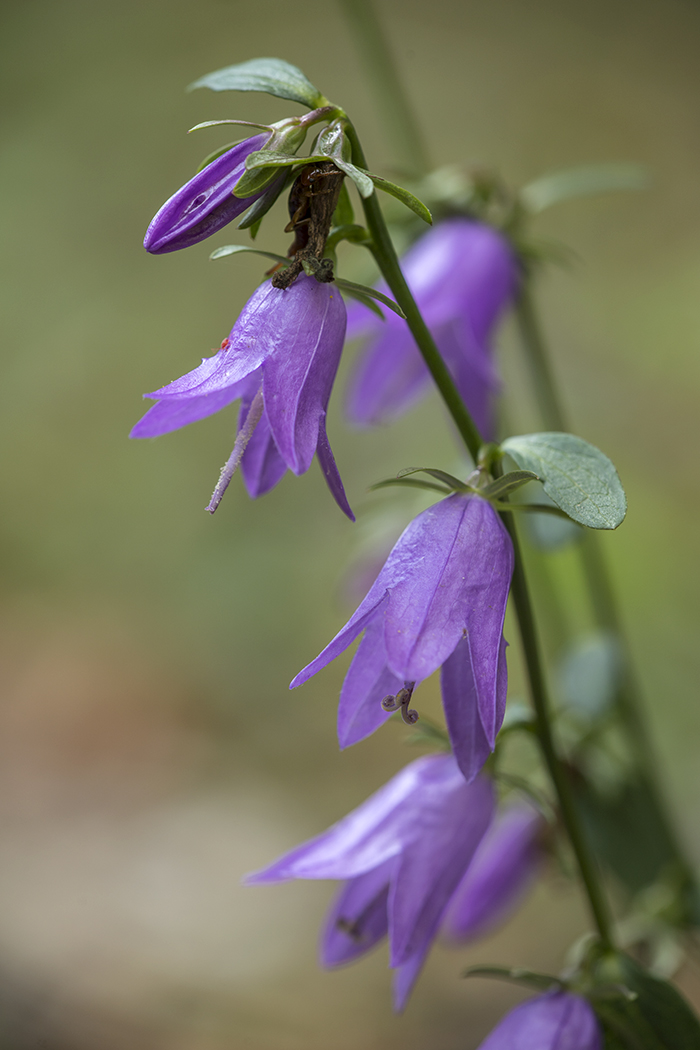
x=150, y=753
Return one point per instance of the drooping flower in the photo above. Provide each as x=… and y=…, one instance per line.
x=402, y=852
x=463, y=274
x=503, y=869
x=557, y=1020
x=439, y=601
x=280, y=359
x=206, y=203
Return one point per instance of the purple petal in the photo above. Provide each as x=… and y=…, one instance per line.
x=170, y=414
x=367, y=682
x=330, y=471
x=363, y=615
x=377, y=830
x=449, y=571
x=448, y=825
x=305, y=332
x=461, y=705
x=554, y=1021
x=503, y=868
x=262, y=466
x=389, y=377
x=204, y=204
x=357, y=919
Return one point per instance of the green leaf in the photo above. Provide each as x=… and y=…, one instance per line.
x=655, y=1017
x=372, y=293
x=403, y=195
x=343, y=214
x=453, y=483
x=541, y=981
x=413, y=483
x=577, y=476
x=582, y=182
x=254, y=215
x=366, y=300
x=237, y=249
x=354, y=233
x=271, y=75
x=332, y=143
x=508, y=483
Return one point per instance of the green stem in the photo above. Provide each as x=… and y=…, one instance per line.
x=391, y=271
x=399, y=118
x=541, y=704
x=600, y=589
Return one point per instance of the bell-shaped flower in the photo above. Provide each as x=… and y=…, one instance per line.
x=206, y=203
x=439, y=601
x=280, y=359
x=463, y=274
x=402, y=853
x=503, y=869
x=557, y=1020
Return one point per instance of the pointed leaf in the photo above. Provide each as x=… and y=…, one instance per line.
x=366, y=300
x=354, y=233
x=582, y=182
x=508, y=483
x=271, y=75
x=372, y=293
x=236, y=249
x=414, y=483
x=252, y=218
x=363, y=182
x=577, y=476
x=503, y=973
x=403, y=195
x=453, y=483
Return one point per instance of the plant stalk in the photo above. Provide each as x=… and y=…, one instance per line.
x=399, y=118
x=390, y=268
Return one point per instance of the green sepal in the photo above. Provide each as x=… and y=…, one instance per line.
x=237, y=249
x=332, y=143
x=540, y=981
x=648, y=1013
x=577, y=476
x=344, y=214
x=403, y=195
x=412, y=483
x=508, y=483
x=453, y=483
x=367, y=301
x=353, y=232
x=252, y=218
x=218, y=123
x=582, y=181
x=364, y=290
x=274, y=76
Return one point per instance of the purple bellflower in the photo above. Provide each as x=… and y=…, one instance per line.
x=280, y=360
x=402, y=853
x=462, y=274
x=503, y=869
x=439, y=601
x=557, y=1020
x=206, y=203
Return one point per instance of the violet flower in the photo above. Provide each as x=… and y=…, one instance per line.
x=439, y=601
x=503, y=869
x=402, y=852
x=206, y=203
x=557, y=1020
x=463, y=274
x=280, y=359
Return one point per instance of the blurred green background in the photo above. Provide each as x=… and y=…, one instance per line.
x=150, y=753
